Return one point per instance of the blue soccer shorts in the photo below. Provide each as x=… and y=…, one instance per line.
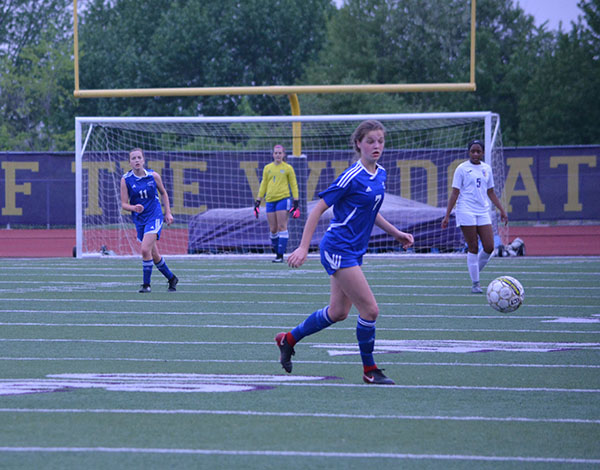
x=153, y=226
x=333, y=258
x=281, y=205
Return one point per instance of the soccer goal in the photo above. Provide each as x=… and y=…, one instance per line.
x=212, y=166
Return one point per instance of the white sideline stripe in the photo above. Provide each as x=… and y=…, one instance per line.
x=381, y=343
x=280, y=327
x=209, y=285
x=452, y=294
x=376, y=268
x=418, y=387
x=299, y=415
x=201, y=287
x=261, y=361
x=277, y=314
x=284, y=453
x=271, y=302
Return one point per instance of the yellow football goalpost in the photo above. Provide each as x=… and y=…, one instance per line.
x=291, y=91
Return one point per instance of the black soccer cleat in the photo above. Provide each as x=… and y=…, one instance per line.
x=145, y=288
x=172, y=283
x=286, y=352
x=476, y=289
x=279, y=259
x=377, y=377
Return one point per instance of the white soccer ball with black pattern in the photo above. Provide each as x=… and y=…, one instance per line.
x=505, y=294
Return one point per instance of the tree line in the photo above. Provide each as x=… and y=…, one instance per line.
x=544, y=84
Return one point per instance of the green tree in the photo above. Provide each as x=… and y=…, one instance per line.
x=560, y=105
x=36, y=76
x=427, y=41
x=197, y=43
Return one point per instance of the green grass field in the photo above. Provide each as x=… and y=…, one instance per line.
x=95, y=375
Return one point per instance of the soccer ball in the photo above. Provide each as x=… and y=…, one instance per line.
x=505, y=294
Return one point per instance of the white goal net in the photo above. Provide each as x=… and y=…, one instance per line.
x=211, y=168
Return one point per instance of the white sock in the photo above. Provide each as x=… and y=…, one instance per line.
x=473, y=266
x=483, y=258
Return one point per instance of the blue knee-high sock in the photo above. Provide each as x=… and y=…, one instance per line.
x=274, y=242
x=283, y=240
x=316, y=321
x=147, y=270
x=365, y=334
x=164, y=269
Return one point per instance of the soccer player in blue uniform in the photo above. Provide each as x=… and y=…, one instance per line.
x=140, y=190
x=472, y=189
x=277, y=180
x=356, y=196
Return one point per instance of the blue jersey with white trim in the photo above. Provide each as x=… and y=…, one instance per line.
x=356, y=196
x=142, y=190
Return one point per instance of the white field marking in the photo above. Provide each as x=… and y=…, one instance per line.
x=79, y=284
x=269, y=302
x=209, y=287
x=168, y=384
x=280, y=327
x=445, y=295
x=510, y=419
x=454, y=346
x=344, y=349
x=156, y=383
x=524, y=269
x=268, y=314
x=573, y=320
x=226, y=281
x=289, y=453
x=262, y=361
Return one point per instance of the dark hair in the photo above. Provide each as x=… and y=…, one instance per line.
x=363, y=129
x=475, y=142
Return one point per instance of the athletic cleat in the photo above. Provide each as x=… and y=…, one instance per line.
x=279, y=259
x=145, y=288
x=287, y=351
x=476, y=289
x=377, y=377
x=172, y=283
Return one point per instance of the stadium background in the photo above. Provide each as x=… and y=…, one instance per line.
x=550, y=191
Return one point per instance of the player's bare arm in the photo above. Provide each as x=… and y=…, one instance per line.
x=402, y=237
x=298, y=257
x=492, y=195
x=125, y=200
x=165, y=198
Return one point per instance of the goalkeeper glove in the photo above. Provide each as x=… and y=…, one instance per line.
x=256, y=208
x=295, y=211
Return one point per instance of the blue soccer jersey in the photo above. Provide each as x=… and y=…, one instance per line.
x=142, y=190
x=356, y=196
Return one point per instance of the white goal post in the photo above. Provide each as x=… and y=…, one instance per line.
x=212, y=167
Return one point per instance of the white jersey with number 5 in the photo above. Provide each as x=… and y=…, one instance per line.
x=473, y=182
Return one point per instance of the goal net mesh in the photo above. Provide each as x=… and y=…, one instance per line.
x=212, y=169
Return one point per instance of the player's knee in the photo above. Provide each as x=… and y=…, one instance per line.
x=373, y=314
x=370, y=312
x=336, y=314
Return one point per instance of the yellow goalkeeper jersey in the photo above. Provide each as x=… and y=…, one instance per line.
x=277, y=180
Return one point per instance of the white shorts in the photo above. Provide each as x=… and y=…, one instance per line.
x=468, y=218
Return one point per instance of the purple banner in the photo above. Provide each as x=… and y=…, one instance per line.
x=542, y=183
